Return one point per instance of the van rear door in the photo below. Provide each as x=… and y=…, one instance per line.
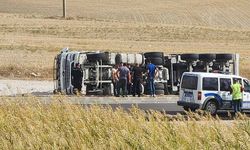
x=188, y=89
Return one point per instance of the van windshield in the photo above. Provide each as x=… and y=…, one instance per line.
x=189, y=82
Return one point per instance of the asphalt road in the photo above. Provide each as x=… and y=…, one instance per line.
x=163, y=103
x=167, y=104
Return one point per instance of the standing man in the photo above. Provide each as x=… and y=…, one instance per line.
x=77, y=75
x=124, y=77
x=129, y=85
x=236, y=90
x=115, y=80
x=137, y=79
x=152, y=71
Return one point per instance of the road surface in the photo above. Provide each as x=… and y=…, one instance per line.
x=163, y=103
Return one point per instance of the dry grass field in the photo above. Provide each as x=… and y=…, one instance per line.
x=27, y=124
x=32, y=32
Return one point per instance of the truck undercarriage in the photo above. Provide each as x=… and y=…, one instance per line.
x=97, y=69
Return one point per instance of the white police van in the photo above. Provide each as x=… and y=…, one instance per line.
x=210, y=91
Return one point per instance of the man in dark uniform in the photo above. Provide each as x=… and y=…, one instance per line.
x=77, y=75
x=137, y=79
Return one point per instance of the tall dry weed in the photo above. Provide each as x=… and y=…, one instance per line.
x=27, y=123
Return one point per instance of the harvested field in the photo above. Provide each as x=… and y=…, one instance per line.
x=32, y=32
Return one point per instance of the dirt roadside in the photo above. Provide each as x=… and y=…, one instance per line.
x=19, y=87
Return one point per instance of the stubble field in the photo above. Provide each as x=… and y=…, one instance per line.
x=32, y=33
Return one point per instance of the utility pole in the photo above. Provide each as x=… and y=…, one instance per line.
x=64, y=9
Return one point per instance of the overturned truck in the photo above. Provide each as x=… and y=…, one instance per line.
x=97, y=69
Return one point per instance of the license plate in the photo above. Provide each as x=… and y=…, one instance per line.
x=188, y=96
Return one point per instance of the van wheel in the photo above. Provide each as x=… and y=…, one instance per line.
x=186, y=108
x=211, y=107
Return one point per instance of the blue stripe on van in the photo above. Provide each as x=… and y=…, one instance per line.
x=216, y=96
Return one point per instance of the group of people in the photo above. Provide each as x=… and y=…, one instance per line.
x=124, y=77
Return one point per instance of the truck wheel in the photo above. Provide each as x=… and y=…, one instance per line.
x=107, y=90
x=153, y=54
x=98, y=56
x=189, y=57
x=224, y=57
x=118, y=59
x=91, y=91
x=142, y=88
x=207, y=57
x=211, y=107
x=97, y=92
x=155, y=60
x=166, y=90
x=181, y=66
x=159, y=92
x=159, y=86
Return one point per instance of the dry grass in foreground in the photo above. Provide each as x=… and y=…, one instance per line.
x=27, y=124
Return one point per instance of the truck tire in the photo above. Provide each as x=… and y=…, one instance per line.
x=166, y=89
x=90, y=90
x=159, y=86
x=118, y=59
x=159, y=92
x=224, y=57
x=98, y=56
x=207, y=57
x=155, y=60
x=181, y=65
x=107, y=91
x=153, y=54
x=97, y=92
x=189, y=57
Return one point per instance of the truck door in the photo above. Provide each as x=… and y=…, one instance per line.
x=246, y=95
x=224, y=93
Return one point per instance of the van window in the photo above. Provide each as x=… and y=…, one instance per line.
x=237, y=79
x=189, y=82
x=225, y=84
x=246, y=86
x=210, y=84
